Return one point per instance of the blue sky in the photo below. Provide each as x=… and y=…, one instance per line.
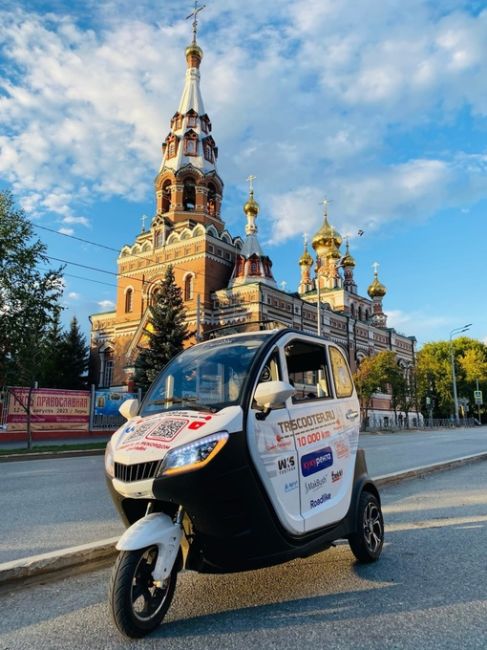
x=379, y=106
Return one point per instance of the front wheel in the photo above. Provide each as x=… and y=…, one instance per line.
x=367, y=541
x=137, y=605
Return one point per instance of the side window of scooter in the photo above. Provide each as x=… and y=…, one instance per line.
x=307, y=370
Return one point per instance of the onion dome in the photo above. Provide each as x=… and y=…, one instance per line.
x=305, y=259
x=347, y=258
x=376, y=289
x=325, y=235
x=194, y=54
x=251, y=207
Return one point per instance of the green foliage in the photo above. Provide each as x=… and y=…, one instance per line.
x=166, y=332
x=382, y=374
x=73, y=354
x=29, y=298
x=434, y=370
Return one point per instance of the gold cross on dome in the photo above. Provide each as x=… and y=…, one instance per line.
x=251, y=180
x=375, y=266
x=325, y=203
x=194, y=15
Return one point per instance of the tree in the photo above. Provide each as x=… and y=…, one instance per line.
x=74, y=356
x=52, y=354
x=381, y=374
x=435, y=372
x=29, y=298
x=166, y=332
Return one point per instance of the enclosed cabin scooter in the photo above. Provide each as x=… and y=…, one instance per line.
x=242, y=455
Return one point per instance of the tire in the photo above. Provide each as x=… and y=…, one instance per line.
x=366, y=543
x=137, y=605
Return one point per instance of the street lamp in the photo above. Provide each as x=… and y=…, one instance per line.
x=318, y=295
x=454, y=332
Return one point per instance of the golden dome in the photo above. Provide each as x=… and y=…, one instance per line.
x=347, y=258
x=194, y=50
x=326, y=234
x=306, y=259
x=251, y=207
x=376, y=289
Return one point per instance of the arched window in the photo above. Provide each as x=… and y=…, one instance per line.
x=359, y=313
x=158, y=238
x=172, y=145
x=191, y=144
x=166, y=196
x=188, y=287
x=211, y=199
x=189, y=194
x=129, y=300
x=107, y=368
x=192, y=118
x=352, y=310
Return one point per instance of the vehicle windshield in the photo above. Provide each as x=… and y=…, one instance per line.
x=207, y=376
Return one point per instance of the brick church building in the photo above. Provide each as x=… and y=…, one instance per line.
x=225, y=279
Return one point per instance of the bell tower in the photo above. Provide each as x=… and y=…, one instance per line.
x=187, y=186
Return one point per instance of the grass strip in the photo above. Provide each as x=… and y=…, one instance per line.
x=39, y=449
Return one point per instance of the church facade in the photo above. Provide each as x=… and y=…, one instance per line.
x=228, y=280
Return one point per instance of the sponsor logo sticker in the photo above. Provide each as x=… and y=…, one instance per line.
x=336, y=476
x=314, y=503
x=285, y=465
x=292, y=485
x=314, y=484
x=316, y=461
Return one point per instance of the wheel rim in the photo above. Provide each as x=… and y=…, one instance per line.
x=373, y=528
x=147, y=599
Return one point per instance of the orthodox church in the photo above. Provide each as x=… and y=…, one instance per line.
x=228, y=280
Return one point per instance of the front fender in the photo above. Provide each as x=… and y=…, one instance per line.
x=155, y=529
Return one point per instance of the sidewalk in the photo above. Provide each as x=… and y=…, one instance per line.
x=42, y=439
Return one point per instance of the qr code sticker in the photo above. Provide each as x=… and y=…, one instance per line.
x=141, y=430
x=168, y=429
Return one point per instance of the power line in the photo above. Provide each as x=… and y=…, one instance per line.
x=80, y=277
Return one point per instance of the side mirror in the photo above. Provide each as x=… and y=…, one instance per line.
x=271, y=394
x=129, y=408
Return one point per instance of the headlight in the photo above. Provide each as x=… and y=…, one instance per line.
x=193, y=455
x=109, y=462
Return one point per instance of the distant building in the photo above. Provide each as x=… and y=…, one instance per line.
x=227, y=280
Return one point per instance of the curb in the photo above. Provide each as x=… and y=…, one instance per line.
x=48, y=455
x=54, y=561
x=92, y=554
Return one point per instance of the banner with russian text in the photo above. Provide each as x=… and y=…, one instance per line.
x=51, y=409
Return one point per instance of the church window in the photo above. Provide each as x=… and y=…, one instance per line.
x=189, y=194
x=107, y=368
x=178, y=123
x=211, y=199
x=208, y=152
x=254, y=267
x=158, y=238
x=192, y=119
x=191, y=144
x=359, y=313
x=172, y=146
x=188, y=287
x=166, y=196
x=129, y=300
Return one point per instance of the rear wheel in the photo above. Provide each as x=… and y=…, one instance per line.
x=137, y=604
x=367, y=541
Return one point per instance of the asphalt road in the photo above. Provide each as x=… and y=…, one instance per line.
x=51, y=504
x=428, y=591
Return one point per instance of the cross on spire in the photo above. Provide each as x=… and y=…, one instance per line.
x=325, y=203
x=251, y=180
x=143, y=218
x=194, y=16
x=375, y=266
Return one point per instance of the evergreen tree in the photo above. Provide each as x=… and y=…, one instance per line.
x=29, y=298
x=166, y=332
x=74, y=355
x=52, y=354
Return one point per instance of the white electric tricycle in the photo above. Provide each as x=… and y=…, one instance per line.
x=242, y=455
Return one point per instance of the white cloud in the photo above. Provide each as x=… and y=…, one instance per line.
x=106, y=305
x=66, y=231
x=72, y=295
x=307, y=96
x=423, y=325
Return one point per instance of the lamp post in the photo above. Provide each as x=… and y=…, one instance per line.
x=454, y=332
x=318, y=296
